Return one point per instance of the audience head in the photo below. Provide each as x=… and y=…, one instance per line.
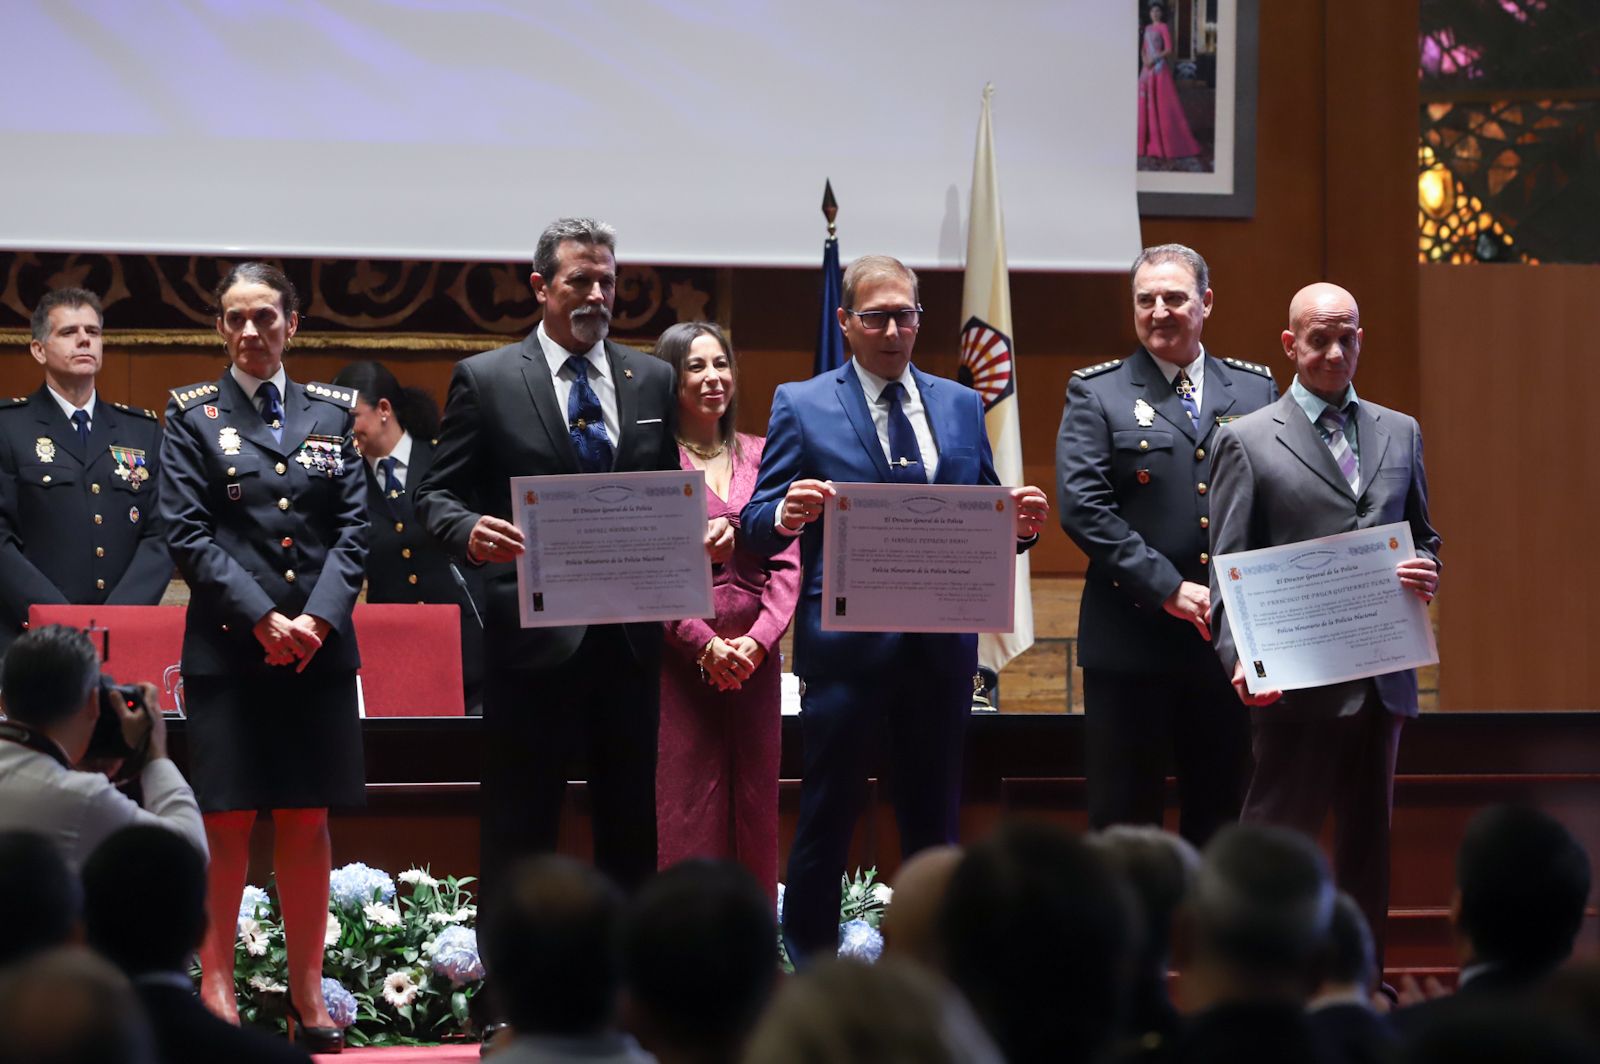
x=699, y=959
x=67, y=1006
x=1260, y=910
x=1522, y=882
x=144, y=891
x=384, y=409
x=1160, y=868
x=707, y=372
x=1038, y=933
x=843, y=1012
x=50, y=682
x=39, y=892
x=910, y=923
x=1349, y=958
x=551, y=947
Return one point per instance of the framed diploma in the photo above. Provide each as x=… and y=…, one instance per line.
x=1325, y=610
x=919, y=558
x=605, y=548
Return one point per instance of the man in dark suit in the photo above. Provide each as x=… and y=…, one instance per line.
x=144, y=891
x=1318, y=462
x=77, y=479
x=1132, y=462
x=564, y=400
x=876, y=419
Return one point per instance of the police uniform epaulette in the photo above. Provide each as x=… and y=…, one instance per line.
x=15, y=400
x=1096, y=370
x=1252, y=367
x=333, y=393
x=138, y=411
x=187, y=396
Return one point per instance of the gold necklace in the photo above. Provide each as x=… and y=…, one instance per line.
x=704, y=456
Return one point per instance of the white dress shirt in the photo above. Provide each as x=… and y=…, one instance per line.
x=251, y=385
x=402, y=459
x=1196, y=371
x=68, y=409
x=599, y=374
x=874, y=385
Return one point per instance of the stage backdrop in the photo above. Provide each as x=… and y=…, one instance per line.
x=703, y=130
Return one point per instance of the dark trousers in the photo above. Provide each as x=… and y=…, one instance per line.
x=1307, y=767
x=594, y=713
x=926, y=716
x=1136, y=724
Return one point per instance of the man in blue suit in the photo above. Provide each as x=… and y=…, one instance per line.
x=875, y=420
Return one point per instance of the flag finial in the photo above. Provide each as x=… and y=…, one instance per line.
x=830, y=207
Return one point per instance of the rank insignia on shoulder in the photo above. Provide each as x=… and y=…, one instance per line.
x=332, y=393
x=186, y=397
x=15, y=400
x=137, y=411
x=1249, y=367
x=1097, y=369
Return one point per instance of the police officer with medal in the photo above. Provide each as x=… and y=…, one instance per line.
x=78, y=517
x=1133, y=462
x=263, y=498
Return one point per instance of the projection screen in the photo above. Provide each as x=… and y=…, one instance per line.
x=455, y=129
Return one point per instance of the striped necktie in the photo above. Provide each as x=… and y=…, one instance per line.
x=1332, y=423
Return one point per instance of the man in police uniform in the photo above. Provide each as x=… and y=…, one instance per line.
x=1132, y=462
x=77, y=479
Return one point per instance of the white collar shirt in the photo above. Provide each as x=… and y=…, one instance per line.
x=598, y=372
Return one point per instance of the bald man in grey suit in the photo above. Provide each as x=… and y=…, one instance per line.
x=1318, y=462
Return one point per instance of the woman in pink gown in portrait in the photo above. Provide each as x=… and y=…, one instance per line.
x=1163, y=130
x=717, y=774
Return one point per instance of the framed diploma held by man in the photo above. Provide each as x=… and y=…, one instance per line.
x=608, y=548
x=1325, y=610
x=919, y=558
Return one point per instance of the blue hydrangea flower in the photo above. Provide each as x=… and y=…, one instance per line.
x=341, y=1003
x=455, y=955
x=859, y=940
x=254, y=898
x=780, y=903
x=352, y=886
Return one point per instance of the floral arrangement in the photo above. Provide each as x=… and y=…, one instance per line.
x=400, y=960
x=862, y=902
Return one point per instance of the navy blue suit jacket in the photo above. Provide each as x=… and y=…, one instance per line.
x=821, y=429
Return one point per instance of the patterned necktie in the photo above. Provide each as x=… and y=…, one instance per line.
x=905, y=457
x=80, y=419
x=389, y=479
x=586, y=422
x=1185, y=389
x=271, y=409
x=1332, y=424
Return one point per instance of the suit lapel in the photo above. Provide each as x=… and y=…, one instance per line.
x=1219, y=396
x=1372, y=439
x=941, y=418
x=854, y=400
x=1147, y=377
x=542, y=393
x=102, y=432
x=298, y=418
x=1303, y=440
x=627, y=399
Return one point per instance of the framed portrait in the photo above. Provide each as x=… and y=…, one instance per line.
x=1197, y=107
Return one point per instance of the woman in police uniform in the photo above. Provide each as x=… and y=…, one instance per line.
x=394, y=428
x=262, y=499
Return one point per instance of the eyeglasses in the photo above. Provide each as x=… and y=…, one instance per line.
x=878, y=320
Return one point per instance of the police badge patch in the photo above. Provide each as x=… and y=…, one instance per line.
x=45, y=448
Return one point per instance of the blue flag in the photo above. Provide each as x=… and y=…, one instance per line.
x=830, y=341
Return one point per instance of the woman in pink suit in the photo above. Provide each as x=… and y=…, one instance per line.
x=717, y=776
x=1163, y=130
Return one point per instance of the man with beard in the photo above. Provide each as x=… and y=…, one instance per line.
x=564, y=400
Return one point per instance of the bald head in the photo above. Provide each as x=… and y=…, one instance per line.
x=1324, y=340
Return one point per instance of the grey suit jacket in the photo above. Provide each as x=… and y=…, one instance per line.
x=1274, y=481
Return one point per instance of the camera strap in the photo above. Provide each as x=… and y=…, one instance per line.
x=23, y=735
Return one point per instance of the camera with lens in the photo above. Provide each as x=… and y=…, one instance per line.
x=107, y=741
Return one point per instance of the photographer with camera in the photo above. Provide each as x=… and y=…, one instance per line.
x=64, y=722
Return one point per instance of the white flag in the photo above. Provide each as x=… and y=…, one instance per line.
x=988, y=362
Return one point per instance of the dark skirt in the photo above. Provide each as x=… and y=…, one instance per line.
x=280, y=742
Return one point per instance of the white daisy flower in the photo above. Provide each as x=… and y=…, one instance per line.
x=882, y=893
x=254, y=937
x=399, y=989
x=382, y=915
x=330, y=937
x=418, y=878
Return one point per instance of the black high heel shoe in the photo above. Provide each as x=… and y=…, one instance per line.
x=314, y=1039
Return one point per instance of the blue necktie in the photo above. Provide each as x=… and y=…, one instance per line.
x=1185, y=388
x=389, y=480
x=271, y=409
x=80, y=418
x=586, y=422
x=905, y=457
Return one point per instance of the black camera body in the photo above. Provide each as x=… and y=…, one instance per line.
x=107, y=741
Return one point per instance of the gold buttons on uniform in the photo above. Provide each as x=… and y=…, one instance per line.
x=405, y=552
x=1199, y=453
x=411, y=579
x=283, y=504
x=399, y=526
x=1205, y=559
x=100, y=585
x=280, y=469
x=46, y=478
x=286, y=542
x=95, y=488
x=1201, y=487
x=288, y=575
x=99, y=552
x=1144, y=445
x=98, y=519
x=233, y=471
x=1205, y=522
